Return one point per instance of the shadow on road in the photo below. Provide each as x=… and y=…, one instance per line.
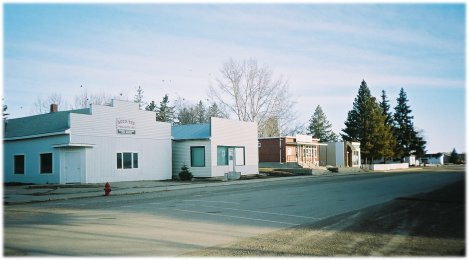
x=427, y=224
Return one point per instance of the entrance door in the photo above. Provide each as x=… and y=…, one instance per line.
x=231, y=159
x=72, y=167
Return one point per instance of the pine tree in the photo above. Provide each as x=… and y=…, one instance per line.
x=151, y=106
x=139, y=97
x=186, y=116
x=454, y=158
x=389, y=147
x=214, y=111
x=384, y=104
x=165, y=112
x=366, y=124
x=319, y=127
x=199, y=111
x=408, y=140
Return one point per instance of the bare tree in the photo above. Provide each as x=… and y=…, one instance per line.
x=251, y=93
x=84, y=99
x=42, y=105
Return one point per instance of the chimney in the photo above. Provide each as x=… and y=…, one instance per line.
x=54, y=108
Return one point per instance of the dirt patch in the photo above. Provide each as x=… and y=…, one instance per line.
x=429, y=224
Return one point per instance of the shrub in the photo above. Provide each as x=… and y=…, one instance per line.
x=185, y=174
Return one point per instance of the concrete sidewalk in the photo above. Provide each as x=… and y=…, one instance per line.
x=39, y=193
x=50, y=192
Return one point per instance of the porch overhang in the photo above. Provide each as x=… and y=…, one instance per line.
x=72, y=145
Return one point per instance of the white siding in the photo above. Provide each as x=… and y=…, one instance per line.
x=152, y=142
x=227, y=132
x=182, y=155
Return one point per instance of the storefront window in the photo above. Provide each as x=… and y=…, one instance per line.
x=222, y=155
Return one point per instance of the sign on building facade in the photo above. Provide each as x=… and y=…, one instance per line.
x=125, y=126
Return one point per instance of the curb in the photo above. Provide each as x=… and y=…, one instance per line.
x=143, y=190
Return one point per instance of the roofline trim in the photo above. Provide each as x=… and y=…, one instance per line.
x=66, y=132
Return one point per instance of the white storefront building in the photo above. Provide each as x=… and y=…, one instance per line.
x=217, y=148
x=102, y=143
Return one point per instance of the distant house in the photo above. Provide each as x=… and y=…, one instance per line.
x=341, y=154
x=215, y=149
x=290, y=151
x=102, y=143
x=411, y=160
x=435, y=158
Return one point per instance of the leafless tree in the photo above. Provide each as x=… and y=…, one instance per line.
x=42, y=105
x=251, y=93
x=84, y=99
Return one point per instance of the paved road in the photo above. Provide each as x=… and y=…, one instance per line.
x=178, y=222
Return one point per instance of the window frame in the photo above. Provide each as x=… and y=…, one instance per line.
x=51, y=163
x=133, y=156
x=14, y=164
x=191, y=155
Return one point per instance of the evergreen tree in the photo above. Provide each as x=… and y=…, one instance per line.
x=186, y=116
x=214, y=111
x=165, y=112
x=319, y=127
x=365, y=124
x=151, y=106
x=408, y=140
x=384, y=104
x=199, y=111
x=138, y=98
x=454, y=158
x=389, y=147
x=419, y=145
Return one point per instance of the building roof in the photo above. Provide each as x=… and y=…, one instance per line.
x=191, y=132
x=40, y=124
x=433, y=155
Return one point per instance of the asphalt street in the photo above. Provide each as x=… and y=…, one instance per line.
x=183, y=221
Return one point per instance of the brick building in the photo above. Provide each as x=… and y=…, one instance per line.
x=302, y=150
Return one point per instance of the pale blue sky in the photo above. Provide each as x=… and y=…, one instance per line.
x=323, y=50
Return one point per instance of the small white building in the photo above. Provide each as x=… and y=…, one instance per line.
x=214, y=149
x=411, y=160
x=110, y=143
x=341, y=154
x=435, y=158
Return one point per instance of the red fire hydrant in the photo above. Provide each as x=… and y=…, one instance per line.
x=107, y=189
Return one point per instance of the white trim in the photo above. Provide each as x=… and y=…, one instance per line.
x=66, y=132
x=72, y=145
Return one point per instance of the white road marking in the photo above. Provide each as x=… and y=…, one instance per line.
x=229, y=216
x=263, y=212
x=142, y=205
x=215, y=201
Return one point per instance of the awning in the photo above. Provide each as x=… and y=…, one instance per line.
x=71, y=145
